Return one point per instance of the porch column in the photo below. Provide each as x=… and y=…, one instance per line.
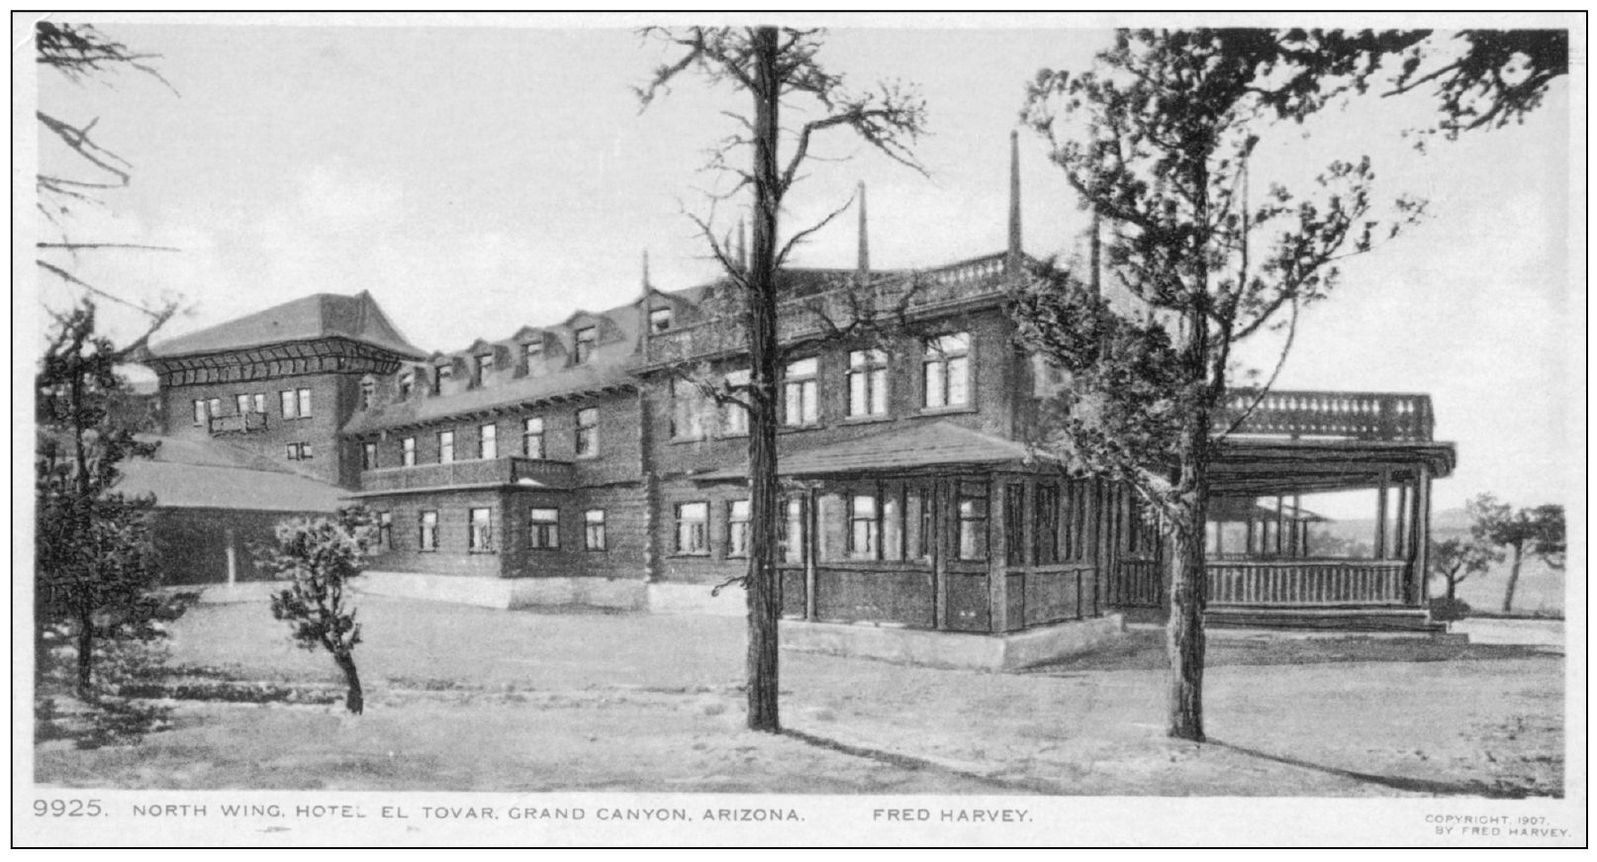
x=1422, y=537
x=1400, y=542
x=938, y=542
x=1280, y=521
x=998, y=540
x=1380, y=517
x=232, y=557
x=1299, y=526
x=811, y=531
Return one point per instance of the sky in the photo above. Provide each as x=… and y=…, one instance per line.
x=479, y=178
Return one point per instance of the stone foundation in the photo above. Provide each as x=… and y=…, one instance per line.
x=951, y=649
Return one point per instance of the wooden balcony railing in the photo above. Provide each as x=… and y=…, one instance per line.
x=239, y=424
x=810, y=315
x=1137, y=584
x=1387, y=416
x=1308, y=583
x=509, y=470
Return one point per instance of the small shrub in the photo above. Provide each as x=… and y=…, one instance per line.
x=1448, y=610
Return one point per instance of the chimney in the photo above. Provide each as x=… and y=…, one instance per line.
x=864, y=237
x=1014, y=201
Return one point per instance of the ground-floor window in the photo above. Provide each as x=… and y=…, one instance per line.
x=593, y=538
x=299, y=451
x=693, y=528
x=543, y=528
x=971, y=507
x=737, y=528
x=479, y=538
x=385, y=530
x=864, y=528
x=427, y=531
x=1046, y=525
x=794, y=533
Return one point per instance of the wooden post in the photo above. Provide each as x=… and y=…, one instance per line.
x=811, y=544
x=232, y=557
x=937, y=543
x=1422, y=537
x=1248, y=541
x=1380, y=517
x=1280, y=521
x=997, y=554
x=1400, y=547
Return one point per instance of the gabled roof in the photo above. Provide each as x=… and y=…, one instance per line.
x=321, y=315
x=938, y=444
x=205, y=474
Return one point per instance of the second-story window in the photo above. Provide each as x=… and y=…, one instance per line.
x=407, y=383
x=446, y=447
x=687, y=410
x=407, y=452
x=441, y=372
x=304, y=403
x=867, y=383
x=241, y=403
x=587, y=432
x=532, y=353
x=659, y=320
x=480, y=532
x=735, y=416
x=213, y=407
x=800, y=396
x=485, y=367
x=427, y=531
x=258, y=401
x=296, y=403
x=368, y=456
x=737, y=528
x=587, y=337
x=199, y=412
x=946, y=371
x=488, y=441
x=532, y=437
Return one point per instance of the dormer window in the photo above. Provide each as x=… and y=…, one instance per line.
x=659, y=320
x=485, y=367
x=407, y=382
x=368, y=391
x=587, y=337
x=532, y=352
x=442, y=372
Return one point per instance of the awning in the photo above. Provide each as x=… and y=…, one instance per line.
x=1267, y=467
x=921, y=446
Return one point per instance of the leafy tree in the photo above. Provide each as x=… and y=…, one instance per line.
x=1537, y=531
x=779, y=70
x=1455, y=560
x=319, y=556
x=1167, y=123
x=94, y=565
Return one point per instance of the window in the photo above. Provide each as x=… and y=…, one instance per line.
x=1015, y=525
x=368, y=391
x=199, y=412
x=587, y=337
x=368, y=456
x=737, y=528
x=480, y=532
x=659, y=320
x=799, y=393
x=485, y=367
x=864, y=528
x=241, y=403
x=687, y=411
x=593, y=530
x=946, y=370
x=971, y=507
x=213, y=407
x=446, y=447
x=407, y=383
x=734, y=416
x=259, y=402
x=531, y=353
x=532, y=437
x=289, y=404
x=427, y=531
x=441, y=372
x=1045, y=541
x=921, y=518
x=407, y=452
x=385, y=530
x=543, y=528
x=587, y=432
x=299, y=451
x=693, y=522
x=304, y=403
x=1076, y=528
x=488, y=441
x=793, y=530
x=867, y=383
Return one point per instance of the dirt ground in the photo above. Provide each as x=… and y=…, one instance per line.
x=473, y=699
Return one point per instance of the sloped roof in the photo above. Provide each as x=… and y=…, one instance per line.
x=320, y=315
x=205, y=474
x=592, y=376
x=936, y=444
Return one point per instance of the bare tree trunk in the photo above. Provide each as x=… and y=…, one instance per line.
x=1184, y=636
x=355, y=700
x=85, y=655
x=1452, y=587
x=764, y=598
x=1513, y=578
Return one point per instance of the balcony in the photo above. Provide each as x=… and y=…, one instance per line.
x=1377, y=416
x=509, y=470
x=246, y=423
x=839, y=306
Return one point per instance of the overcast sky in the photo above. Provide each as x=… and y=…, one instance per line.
x=476, y=179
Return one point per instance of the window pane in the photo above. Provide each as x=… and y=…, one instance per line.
x=259, y=400
x=878, y=380
x=792, y=413
x=892, y=528
x=304, y=402
x=288, y=403
x=934, y=385
x=804, y=367
x=858, y=394
x=812, y=405
x=958, y=381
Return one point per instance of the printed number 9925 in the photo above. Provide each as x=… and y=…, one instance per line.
x=67, y=808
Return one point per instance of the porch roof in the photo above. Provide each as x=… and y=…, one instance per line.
x=1259, y=467
x=920, y=446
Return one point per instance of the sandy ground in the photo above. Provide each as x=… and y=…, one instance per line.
x=474, y=699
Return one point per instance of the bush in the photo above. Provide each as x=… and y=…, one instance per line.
x=1448, y=610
